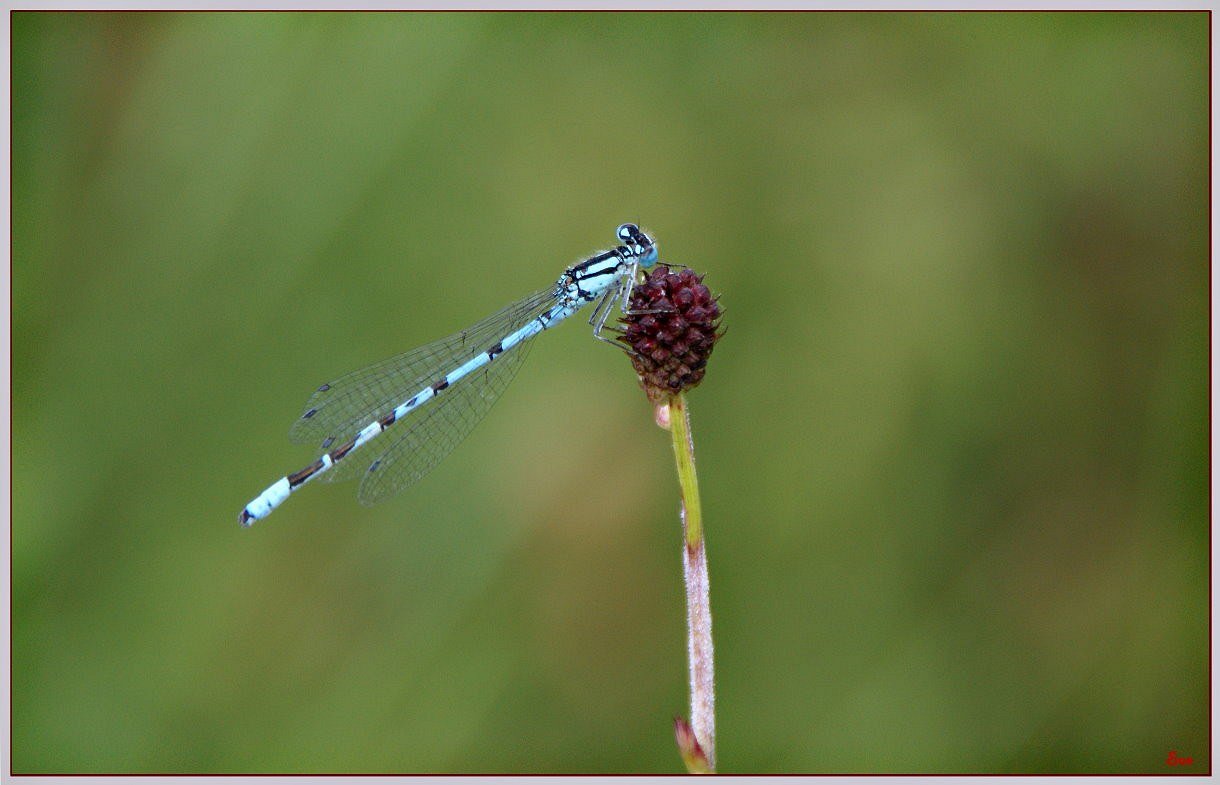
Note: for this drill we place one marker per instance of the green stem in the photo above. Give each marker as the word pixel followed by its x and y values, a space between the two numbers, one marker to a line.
pixel 684 454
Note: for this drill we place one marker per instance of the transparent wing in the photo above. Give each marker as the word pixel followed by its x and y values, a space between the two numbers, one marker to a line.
pixel 339 409
pixel 440 426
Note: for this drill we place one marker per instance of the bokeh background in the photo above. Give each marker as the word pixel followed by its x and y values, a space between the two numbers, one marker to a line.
pixel 954 448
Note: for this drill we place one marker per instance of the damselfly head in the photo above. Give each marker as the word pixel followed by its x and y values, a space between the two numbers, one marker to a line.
pixel 628 232
pixel 640 244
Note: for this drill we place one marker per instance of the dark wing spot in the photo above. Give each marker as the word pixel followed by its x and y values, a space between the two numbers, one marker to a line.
pixel 324 388
pixel 309 414
pixel 373 468
pixel 327 442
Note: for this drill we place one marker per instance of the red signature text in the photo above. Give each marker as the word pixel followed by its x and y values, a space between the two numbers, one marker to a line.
pixel 1174 760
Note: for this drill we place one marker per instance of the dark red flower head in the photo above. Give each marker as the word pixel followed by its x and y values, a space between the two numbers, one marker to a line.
pixel 670 330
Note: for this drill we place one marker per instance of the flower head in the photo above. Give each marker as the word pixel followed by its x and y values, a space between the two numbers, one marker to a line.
pixel 670 330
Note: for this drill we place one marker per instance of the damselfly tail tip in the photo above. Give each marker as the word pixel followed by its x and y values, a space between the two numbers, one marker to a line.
pixel 246 519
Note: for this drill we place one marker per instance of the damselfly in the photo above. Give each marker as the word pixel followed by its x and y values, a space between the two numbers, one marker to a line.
pixel 427 400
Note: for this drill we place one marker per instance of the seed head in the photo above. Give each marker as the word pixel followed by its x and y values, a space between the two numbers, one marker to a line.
pixel 670 330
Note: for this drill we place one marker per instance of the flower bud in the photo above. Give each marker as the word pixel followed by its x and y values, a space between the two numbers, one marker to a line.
pixel 670 330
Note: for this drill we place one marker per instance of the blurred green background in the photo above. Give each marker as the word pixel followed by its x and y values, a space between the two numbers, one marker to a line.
pixel 954 448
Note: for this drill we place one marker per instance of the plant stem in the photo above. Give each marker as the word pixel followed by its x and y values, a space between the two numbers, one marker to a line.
pixel 684 454
pixel 698 604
